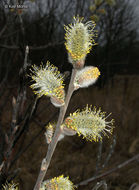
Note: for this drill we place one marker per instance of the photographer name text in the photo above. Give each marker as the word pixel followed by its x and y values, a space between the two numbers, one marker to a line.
pixel 18 6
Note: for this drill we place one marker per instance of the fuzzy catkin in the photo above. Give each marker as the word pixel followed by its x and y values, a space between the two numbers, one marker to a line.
pixel 57 183
pixel 86 77
pixel 90 122
pixel 79 39
pixel 10 186
pixel 49 82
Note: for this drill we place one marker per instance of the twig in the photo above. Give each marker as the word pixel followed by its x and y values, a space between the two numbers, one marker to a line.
pixel 112 146
pixel 1 166
pixel 3 30
pixel 85 182
pixel 11 137
pixel 99 184
pixel 26 119
pixel 3 81
pixel 34 138
pixel 52 145
pixel 14 47
pixel 134 186
pixel 111 150
pixel 21 91
pixel 99 156
pixel 9 46
pixel 2 145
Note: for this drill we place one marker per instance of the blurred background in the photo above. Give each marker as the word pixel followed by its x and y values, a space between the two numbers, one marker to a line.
pixel 39 24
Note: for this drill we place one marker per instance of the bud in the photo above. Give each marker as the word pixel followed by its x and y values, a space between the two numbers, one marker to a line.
pixel 57 183
pixel 86 77
pixel 50 129
pixel 49 133
pixel 90 123
pixel 79 40
pixel 57 102
pixel 68 131
pixel 48 82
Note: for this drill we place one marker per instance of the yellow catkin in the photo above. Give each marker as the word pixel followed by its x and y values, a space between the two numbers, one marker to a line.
pixel 48 81
pixel 57 183
pixel 86 77
pixel 79 39
pixel 10 186
pixel 90 122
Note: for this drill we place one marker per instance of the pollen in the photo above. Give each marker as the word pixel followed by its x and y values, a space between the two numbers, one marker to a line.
pixel 10 186
pixel 79 39
pixel 90 122
pixel 58 183
pixel 86 76
pixel 48 81
pixel 95 72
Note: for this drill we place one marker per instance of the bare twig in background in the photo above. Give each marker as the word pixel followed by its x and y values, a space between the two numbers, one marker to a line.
pixel 3 30
pixel 100 184
pixel 123 164
pixel 99 156
pixel 21 97
pixel 1 166
pixel 2 146
pixel 6 73
pixel 10 138
pixel 134 186
pixel 112 146
pixel 14 47
pixel 99 167
pixel 21 151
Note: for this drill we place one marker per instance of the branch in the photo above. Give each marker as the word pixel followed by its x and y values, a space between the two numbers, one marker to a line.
pixel 22 150
pixel 52 145
pixel 99 184
pixel 3 30
pixel 16 107
pixel 112 146
pixel 9 47
pixel 14 47
pixel 99 155
pixel 85 182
